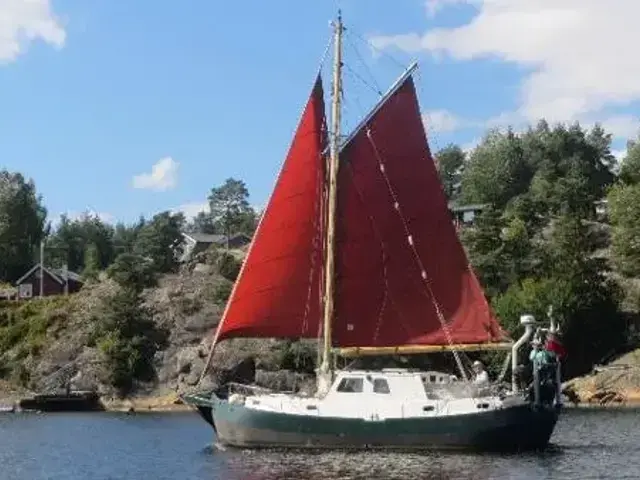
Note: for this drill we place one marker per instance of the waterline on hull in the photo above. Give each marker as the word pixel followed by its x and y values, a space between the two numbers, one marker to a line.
pixel 509 429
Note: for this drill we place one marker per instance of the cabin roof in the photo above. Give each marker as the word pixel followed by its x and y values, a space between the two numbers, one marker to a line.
pixel 467 208
pixel 56 273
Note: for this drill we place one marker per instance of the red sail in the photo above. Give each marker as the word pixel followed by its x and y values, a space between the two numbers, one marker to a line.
pixel 382 299
pixel 278 291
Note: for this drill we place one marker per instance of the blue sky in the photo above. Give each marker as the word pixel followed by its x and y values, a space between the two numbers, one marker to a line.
pixel 94 93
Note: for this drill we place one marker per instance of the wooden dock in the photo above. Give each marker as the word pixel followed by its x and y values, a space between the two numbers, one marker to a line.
pixel 79 401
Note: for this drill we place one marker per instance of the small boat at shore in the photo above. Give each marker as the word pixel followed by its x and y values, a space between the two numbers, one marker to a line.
pixel 357 248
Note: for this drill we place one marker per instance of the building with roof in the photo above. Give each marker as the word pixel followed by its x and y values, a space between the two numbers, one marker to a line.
pixel 56 281
pixel 195 243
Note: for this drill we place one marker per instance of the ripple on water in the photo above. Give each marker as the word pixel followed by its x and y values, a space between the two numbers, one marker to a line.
pixel 586 445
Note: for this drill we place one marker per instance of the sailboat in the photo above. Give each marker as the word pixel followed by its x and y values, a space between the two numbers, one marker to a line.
pixel 356 248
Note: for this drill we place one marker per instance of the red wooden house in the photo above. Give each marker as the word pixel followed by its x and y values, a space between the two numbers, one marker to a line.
pixel 55 282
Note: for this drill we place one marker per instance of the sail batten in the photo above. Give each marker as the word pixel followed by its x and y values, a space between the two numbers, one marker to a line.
pixel 350 352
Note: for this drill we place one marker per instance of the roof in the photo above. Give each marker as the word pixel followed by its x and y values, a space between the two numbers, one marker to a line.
pixel 204 237
pixel 466 208
pixel 57 274
pixel 212 238
pixel 70 275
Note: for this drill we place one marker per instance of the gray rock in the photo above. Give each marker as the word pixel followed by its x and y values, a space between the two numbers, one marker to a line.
pixel 185 358
pixel 202 268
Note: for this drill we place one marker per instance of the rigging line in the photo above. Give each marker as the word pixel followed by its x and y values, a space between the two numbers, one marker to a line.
pixel 365 82
pixel 377 49
pixel 364 64
pixel 351 114
pixel 431 132
pixel 423 271
pixel 216 334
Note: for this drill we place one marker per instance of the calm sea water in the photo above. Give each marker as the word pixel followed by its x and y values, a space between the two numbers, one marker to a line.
pixel 587 444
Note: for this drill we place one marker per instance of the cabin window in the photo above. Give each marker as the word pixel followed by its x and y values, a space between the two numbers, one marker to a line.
pixel 350 385
pixel 380 385
pixel 432 378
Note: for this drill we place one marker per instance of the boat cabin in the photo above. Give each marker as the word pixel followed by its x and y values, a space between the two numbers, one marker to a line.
pixel 400 383
pixel 388 393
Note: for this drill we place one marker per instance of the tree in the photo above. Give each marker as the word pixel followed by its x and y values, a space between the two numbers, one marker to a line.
pixel 500 249
pixel 630 168
pixel 69 243
pixel 230 209
pixel 573 168
pixel 125 236
pixel 128 338
pixel 133 272
pixel 624 211
pixel 496 170
pixel 92 265
pixel 160 240
pixel 22 224
pixel 202 223
pixel 449 162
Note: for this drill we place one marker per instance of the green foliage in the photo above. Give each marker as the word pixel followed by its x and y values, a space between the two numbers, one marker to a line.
pixel 125 236
pixel 73 238
pixel 630 169
pixel 203 223
pixel 22 224
pixel 228 266
pixel 133 272
pixel 229 213
pixel 500 249
pixel 533 247
pixel 496 171
pixel 222 293
pixel 450 161
pixel 24 327
pixel 298 356
pixel 92 265
pixel 624 211
pixel 573 168
pixel 129 339
pixel 160 240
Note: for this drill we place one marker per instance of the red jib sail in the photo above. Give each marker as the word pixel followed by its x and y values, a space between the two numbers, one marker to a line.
pixel 278 292
pixel 392 289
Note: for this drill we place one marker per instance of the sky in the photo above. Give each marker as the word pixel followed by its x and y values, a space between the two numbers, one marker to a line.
pixel 129 108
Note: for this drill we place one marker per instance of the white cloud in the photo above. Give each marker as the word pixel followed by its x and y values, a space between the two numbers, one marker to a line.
pixel 23 21
pixel 625 126
pixel 619 154
pixel 442 121
pixel 163 176
pixel 580 53
pixel 433 6
pixel 471 145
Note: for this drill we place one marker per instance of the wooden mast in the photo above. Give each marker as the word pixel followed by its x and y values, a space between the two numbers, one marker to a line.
pixel 326 371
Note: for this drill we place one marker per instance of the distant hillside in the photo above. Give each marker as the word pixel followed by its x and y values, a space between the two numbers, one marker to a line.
pixel 47 344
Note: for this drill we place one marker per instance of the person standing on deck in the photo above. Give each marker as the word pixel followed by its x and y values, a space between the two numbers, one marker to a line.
pixel 539 356
pixel 482 377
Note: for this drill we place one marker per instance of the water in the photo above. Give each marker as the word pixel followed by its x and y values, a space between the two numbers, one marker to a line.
pixel 587 444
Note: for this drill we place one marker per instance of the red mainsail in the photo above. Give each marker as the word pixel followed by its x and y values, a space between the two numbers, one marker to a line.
pixel 401 272
pixel 278 291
